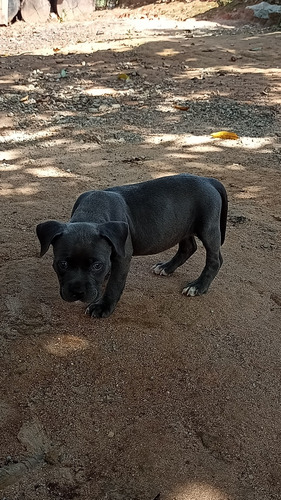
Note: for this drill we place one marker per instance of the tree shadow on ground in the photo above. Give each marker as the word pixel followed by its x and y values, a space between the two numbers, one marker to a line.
pixel 162 397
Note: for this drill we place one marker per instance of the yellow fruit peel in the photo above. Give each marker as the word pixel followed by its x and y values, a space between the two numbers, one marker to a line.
pixel 123 76
pixel 224 134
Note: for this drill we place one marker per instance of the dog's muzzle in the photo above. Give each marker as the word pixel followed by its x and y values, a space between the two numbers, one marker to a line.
pixel 77 291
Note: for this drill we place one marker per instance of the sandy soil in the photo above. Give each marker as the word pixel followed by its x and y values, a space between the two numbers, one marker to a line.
pixel 172 398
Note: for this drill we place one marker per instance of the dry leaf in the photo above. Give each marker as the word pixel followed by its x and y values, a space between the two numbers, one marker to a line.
pixel 224 134
pixel 56 49
pixel 123 76
pixel 182 108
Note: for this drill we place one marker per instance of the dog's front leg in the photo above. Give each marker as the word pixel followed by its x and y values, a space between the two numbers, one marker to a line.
pixel 114 288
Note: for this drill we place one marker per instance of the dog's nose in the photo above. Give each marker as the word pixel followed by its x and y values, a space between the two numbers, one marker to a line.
pixel 78 295
pixel 77 291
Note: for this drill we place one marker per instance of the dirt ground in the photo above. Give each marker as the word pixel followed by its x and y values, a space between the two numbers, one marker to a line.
pixel 171 398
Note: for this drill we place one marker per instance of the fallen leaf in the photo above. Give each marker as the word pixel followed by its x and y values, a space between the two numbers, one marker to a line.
pixel 224 134
pixel 123 76
pixel 134 159
pixel 56 49
pixel 182 108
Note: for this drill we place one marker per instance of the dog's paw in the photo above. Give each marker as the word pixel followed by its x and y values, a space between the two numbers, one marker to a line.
pixel 159 269
pixel 190 291
pixel 193 289
pixel 100 309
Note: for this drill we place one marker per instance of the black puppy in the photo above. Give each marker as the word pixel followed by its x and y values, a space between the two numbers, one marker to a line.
pixel 108 227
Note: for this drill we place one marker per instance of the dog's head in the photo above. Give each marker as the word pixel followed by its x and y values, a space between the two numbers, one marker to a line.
pixel 83 253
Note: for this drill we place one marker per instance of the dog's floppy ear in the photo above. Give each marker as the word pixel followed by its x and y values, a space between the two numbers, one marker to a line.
pixel 47 231
pixel 116 233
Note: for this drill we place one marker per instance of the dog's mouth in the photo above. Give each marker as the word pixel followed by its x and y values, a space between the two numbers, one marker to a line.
pixel 79 295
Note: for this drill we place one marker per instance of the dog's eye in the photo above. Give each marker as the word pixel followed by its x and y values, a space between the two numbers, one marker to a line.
pixel 97 266
pixel 63 265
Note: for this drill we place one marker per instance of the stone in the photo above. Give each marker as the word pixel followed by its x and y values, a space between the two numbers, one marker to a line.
pixel 263 10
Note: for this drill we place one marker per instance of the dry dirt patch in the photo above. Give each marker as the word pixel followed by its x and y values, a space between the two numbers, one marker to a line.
pixel 172 396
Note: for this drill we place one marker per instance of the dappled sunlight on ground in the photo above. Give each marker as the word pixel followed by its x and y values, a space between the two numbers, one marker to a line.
pixel 63 345
pixel 171 397
pixel 198 490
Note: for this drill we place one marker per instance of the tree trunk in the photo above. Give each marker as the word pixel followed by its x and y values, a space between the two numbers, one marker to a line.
pixel 77 10
pixel 35 11
pixel 8 10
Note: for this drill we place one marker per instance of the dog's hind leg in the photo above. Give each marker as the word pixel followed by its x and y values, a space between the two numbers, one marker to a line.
pixel 187 247
pixel 211 240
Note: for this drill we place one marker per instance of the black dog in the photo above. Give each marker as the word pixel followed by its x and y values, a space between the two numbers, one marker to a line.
pixel 108 227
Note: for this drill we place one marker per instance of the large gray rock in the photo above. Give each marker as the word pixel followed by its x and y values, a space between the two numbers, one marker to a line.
pixel 264 10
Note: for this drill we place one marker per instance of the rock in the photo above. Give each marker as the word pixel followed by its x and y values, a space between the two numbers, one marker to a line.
pixel 34 11
pixel 103 107
pixel 78 10
pixel 8 10
pixel 13 8
pixel 263 10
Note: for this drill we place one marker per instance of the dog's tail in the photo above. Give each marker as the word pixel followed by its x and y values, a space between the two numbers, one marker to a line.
pixel 222 191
